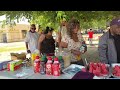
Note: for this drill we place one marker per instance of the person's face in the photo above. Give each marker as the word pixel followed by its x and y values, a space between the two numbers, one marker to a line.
pixel 50 33
pixel 32 28
pixel 76 29
pixel 118 30
pixel 63 23
pixel 115 29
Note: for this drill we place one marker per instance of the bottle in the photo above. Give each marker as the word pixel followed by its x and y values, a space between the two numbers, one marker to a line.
pixel 61 61
pixel 82 48
pixel 53 58
pixel 56 67
pixel 42 65
pixel 45 58
pixel 37 65
pixel 49 66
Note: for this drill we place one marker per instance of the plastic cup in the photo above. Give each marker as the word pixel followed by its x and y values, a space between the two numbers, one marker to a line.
pixel 67 60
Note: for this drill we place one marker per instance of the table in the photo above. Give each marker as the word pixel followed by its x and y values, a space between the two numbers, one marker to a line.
pixel 12 75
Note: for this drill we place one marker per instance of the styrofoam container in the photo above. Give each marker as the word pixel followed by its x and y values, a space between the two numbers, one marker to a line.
pixel 72 69
pixel 113 65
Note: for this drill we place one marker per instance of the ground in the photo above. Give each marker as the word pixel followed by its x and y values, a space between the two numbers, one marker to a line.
pixel 18 47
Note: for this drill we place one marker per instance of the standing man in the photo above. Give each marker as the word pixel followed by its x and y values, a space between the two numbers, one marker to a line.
pixel 90 33
pixel 109 43
pixel 31 39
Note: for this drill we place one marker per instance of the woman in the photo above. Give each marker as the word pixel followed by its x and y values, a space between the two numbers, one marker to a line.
pixel 61 31
pixel 73 41
pixel 46 43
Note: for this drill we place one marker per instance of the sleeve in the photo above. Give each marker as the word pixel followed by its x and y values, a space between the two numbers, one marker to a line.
pixel 59 29
pixel 27 38
pixel 102 48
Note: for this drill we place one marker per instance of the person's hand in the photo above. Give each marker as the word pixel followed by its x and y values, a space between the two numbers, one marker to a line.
pixel 76 52
pixel 28 51
pixel 63 45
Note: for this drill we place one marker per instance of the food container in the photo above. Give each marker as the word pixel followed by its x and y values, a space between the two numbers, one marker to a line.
pixel 72 69
pixel 113 65
pixel 101 76
pixel 16 56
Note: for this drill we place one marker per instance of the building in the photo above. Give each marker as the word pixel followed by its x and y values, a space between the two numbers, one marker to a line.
pixel 14 33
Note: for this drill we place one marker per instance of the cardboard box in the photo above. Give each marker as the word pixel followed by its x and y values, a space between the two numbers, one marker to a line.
pixel 17 56
pixel 3 65
pixel 14 65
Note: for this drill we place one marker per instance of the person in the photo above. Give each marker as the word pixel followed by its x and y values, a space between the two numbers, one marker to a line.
pixel 73 41
pixel 109 43
pixel 31 39
pixel 61 31
pixel 46 43
pixel 90 38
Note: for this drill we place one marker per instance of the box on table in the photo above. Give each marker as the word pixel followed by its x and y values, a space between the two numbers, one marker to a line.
pixel 3 65
pixel 17 56
pixel 14 65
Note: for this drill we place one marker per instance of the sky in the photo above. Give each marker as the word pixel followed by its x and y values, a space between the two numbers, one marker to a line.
pixel 21 22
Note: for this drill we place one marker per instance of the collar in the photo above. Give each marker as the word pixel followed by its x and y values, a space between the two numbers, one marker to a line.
pixel 31 31
pixel 110 35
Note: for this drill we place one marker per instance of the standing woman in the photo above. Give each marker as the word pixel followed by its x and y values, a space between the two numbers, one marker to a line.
pixel 46 43
pixel 73 41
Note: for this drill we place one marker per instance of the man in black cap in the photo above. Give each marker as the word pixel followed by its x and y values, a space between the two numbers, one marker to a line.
pixel 109 43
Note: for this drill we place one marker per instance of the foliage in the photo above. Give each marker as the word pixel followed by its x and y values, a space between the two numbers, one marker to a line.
pixel 88 19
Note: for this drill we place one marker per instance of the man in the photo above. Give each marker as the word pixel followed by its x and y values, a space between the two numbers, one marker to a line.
pixel 31 39
pixel 90 33
pixel 109 43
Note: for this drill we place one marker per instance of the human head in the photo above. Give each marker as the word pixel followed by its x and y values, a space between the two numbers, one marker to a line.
pixel 33 27
pixel 64 22
pixel 90 29
pixel 73 27
pixel 115 26
pixel 48 31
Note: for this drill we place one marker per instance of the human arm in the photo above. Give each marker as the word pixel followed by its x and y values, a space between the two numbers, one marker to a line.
pixel 102 49
pixel 28 51
pixel 59 35
pixel 27 40
pixel 40 40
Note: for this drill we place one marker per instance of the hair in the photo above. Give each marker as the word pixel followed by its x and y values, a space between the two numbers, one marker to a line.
pixel 48 29
pixel 33 25
pixel 71 26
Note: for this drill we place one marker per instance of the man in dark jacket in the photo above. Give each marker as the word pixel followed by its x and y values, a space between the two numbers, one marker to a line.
pixel 109 43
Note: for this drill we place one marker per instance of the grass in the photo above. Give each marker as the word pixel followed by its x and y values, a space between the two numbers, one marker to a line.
pixel 6 49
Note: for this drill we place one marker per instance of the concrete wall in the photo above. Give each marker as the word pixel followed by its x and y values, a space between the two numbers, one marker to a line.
pixel 13 33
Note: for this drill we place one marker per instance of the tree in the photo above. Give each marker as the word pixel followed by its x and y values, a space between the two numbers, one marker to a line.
pixel 95 19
